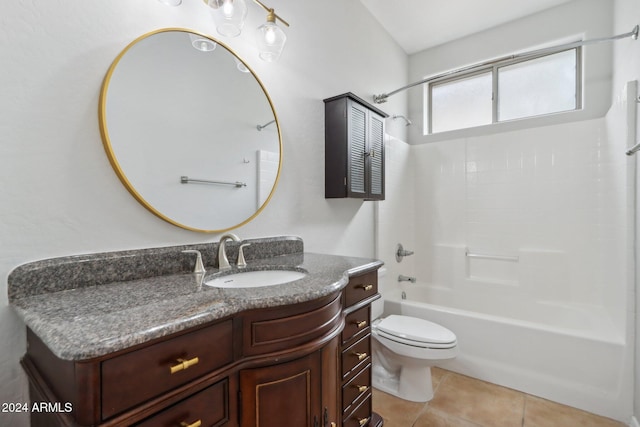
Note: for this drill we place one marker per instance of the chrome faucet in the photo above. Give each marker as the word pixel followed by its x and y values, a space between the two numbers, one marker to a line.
pixel 402 278
pixel 223 261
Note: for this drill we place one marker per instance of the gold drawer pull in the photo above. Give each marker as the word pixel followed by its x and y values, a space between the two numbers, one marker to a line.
pixel 360 356
pixel 184 364
pixel 363 421
pixel 196 424
pixel 361 388
pixel 365 287
pixel 361 324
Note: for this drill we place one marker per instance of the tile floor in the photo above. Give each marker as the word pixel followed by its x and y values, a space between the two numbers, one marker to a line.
pixel 461 401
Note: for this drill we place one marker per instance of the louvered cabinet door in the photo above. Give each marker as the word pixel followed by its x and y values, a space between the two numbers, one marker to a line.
pixel 357 176
pixel 375 157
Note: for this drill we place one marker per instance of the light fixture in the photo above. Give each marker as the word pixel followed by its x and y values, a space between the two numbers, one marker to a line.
pixel 270 37
pixel 240 66
pixel 202 43
pixel 229 16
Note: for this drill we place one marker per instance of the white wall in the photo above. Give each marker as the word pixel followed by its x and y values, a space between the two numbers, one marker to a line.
pixel 396 214
pixel 626 67
pixel 59 193
pixel 569 22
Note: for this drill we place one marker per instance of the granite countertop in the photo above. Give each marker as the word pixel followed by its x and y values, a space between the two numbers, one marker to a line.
pixel 92 321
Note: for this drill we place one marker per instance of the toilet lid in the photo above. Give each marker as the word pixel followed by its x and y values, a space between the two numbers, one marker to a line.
pixel 415 329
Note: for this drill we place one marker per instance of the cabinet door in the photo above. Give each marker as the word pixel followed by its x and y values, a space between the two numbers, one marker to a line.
pixel 357 150
pixel 288 394
pixel 375 156
pixel 331 403
pixel 366 153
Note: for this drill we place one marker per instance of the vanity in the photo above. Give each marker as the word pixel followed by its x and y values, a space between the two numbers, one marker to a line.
pixel 136 338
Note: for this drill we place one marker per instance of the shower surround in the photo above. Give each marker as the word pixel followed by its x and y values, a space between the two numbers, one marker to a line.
pixel 551 207
pixel 550 203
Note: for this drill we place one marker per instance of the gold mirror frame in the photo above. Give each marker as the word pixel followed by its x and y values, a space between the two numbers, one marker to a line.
pixel 107 143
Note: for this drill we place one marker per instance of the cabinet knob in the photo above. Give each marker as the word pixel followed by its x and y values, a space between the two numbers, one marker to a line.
pixel 363 421
pixel 361 388
pixel 361 324
pixel 195 424
pixel 360 356
pixel 184 364
pixel 366 287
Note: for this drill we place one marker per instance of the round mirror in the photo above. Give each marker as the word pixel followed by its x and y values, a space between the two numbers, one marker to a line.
pixel 190 130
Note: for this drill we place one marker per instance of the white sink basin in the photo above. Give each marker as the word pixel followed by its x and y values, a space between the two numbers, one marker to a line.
pixel 253 279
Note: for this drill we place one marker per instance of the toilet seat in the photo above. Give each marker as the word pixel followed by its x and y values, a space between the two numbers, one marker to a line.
pixel 415 332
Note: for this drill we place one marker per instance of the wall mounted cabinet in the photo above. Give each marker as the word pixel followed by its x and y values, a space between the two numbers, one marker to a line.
pixel 354 148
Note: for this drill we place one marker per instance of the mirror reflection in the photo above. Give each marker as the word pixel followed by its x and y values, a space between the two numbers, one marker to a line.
pixel 190 131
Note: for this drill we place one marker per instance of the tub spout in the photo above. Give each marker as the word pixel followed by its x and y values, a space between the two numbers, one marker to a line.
pixel 402 278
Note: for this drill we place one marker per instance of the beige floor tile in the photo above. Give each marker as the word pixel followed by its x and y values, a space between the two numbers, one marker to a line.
pixel 479 402
pixel 433 418
pixel 544 413
pixel 437 374
pixel 394 411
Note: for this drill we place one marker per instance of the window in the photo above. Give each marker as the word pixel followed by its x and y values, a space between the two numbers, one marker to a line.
pixel 462 103
pixel 509 90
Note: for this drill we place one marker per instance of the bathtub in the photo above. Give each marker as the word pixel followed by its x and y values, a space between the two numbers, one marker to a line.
pixel 565 353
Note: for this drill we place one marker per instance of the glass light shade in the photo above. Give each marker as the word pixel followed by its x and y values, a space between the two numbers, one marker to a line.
pixel 240 66
pixel 229 16
pixel 171 2
pixel 271 40
pixel 202 43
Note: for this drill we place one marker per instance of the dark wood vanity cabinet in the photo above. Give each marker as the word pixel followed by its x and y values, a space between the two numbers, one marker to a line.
pixel 355 352
pixel 285 394
pixel 354 148
pixel 302 365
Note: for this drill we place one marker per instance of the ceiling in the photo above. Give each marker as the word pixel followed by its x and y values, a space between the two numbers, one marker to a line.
pixel 419 24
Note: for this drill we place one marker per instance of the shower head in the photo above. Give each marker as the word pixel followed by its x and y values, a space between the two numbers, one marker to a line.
pixel 397 116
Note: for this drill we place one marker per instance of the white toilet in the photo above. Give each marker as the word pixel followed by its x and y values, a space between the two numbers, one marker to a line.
pixel 404 349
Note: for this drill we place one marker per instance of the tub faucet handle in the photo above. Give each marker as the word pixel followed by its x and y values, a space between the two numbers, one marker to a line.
pixel 402 278
pixel 401 252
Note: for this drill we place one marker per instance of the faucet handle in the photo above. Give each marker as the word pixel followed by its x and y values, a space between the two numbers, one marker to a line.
pixel 241 261
pixel 199 268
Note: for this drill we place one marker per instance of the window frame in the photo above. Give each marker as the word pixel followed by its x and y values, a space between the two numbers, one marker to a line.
pixel 495 96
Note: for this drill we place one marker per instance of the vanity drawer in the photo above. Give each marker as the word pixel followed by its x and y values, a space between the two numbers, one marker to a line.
pixel 135 377
pixel 356 323
pixel 278 329
pixel 210 407
pixel 356 388
pixel 360 287
pixel 361 416
pixel 356 356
